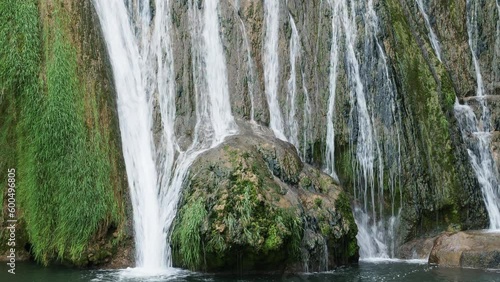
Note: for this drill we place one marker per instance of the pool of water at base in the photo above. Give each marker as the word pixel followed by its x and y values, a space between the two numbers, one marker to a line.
pixel 363 271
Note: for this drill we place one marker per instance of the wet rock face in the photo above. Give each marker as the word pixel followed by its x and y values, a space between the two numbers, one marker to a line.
pixel 438 185
pixel 250 204
pixel 474 249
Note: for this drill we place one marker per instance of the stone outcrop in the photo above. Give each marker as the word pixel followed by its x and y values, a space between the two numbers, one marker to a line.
pixel 416 249
pixel 470 249
pixel 250 204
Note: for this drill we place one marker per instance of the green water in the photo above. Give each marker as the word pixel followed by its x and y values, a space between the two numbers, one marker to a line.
pixel 381 271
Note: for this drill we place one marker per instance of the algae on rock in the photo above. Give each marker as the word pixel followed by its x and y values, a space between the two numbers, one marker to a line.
pixel 244 208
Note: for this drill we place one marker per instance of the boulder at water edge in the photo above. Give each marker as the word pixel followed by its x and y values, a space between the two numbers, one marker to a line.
pixel 471 249
pixel 250 204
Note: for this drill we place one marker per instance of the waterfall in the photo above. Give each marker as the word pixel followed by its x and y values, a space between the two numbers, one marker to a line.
pixel 476 131
pixel 367 79
pixel 212 64
pixel 478 143
pixel 334 58
pixel 473 34
pixel 370 240
pixel 291 122
pixel 432 36
pixel 250 71
pixel 307 121
pixel 135 114
pixel 271 66
pixel 139 45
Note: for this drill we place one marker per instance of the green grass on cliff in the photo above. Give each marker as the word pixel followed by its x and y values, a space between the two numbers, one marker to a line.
pixel 188 234
pixel 19 69
pixel 65 191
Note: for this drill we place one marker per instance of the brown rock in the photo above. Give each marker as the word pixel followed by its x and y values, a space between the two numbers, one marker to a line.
pixel 472 249
pixel 417 249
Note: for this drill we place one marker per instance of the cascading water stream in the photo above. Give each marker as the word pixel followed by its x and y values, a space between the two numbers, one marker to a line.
pixel 476 131
pixel 370 240
pixel 367 79
pixel 478 143
pixel 250 71
pixel 307 121
pixel 135 114
pixel 387 141
pixel 291 122
pixel 432 36
pixel 143 68
pixel 334 58
pixel 271 66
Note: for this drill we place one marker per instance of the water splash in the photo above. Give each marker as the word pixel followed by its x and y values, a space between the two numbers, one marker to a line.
pixel 271 66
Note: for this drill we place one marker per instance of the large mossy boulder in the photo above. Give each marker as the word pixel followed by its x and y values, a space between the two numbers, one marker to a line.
pixel 250 204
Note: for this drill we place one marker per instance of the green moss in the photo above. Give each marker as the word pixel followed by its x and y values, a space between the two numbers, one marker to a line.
pixel 318 202
pixel 343 206
pixel 430 102
pixel 435 184
pixel 273 240
pixel 19 66
pixel 325 229
pixel 238 220
pixel 305 183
